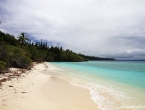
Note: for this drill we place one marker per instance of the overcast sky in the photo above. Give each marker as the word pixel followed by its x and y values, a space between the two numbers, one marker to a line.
pixel 104 28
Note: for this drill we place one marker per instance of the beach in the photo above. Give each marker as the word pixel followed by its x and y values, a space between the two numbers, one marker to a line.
pixel 39 89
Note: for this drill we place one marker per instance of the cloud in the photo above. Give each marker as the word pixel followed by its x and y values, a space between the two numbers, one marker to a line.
pixel 106 28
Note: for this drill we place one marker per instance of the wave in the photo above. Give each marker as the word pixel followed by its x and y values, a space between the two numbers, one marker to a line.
pixel 106 97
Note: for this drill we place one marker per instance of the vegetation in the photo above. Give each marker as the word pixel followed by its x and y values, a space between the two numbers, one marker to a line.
pixel 95 58
pixel 22 39
pixel 2 66
pixel 19 53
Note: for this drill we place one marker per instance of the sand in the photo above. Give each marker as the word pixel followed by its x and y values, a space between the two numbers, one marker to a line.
pixel 36 90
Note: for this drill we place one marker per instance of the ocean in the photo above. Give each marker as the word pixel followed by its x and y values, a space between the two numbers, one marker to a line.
pixel 113 85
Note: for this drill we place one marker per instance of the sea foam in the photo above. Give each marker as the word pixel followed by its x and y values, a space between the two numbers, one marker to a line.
pixel 106 97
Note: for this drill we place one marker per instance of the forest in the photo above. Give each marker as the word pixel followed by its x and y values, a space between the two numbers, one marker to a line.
pixel 20 53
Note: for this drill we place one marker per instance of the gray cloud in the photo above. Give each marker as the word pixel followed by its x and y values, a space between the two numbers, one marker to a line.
pixel 105 28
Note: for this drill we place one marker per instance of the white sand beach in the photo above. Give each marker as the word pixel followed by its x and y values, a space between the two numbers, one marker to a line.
pixel 35 90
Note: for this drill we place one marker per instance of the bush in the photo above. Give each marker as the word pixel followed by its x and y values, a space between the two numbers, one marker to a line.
pixel 19 58
pixel 2 66
pixel 4 54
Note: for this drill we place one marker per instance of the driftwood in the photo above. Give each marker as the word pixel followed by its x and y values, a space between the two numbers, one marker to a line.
pixel 2 80
pixel 11 74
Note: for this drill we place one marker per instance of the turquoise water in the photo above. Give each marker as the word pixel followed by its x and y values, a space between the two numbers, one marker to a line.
pixel 112 84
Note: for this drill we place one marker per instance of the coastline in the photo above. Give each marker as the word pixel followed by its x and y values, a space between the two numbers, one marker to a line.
pixel 67 96
pixel 36 90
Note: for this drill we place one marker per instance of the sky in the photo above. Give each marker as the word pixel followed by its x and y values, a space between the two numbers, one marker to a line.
pixel 103 28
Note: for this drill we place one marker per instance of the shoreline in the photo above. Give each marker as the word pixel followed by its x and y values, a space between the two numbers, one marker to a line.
pixel 67 96
pixel 36 90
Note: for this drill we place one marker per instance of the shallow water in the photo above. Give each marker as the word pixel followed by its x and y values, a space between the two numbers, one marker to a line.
pixel 113 85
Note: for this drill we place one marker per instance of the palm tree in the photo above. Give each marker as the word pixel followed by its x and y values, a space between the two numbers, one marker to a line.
pixel 22 39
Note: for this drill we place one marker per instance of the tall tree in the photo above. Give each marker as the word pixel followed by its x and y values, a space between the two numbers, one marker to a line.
pixel 23 39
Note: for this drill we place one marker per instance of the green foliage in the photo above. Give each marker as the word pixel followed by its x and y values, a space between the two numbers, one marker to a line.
pixel 2 66
pixel 18 57
pixel 41 56
pixel 61 55
pixel 22 39
pixel 95 58
pixel 34 53
pixel 18 53
pixel 7 38
pixel 4 54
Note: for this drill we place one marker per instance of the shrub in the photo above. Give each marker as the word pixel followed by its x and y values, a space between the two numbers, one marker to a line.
pixel 2 66
pixel 18 57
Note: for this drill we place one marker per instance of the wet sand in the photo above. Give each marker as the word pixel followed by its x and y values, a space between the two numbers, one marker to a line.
pixel 67 96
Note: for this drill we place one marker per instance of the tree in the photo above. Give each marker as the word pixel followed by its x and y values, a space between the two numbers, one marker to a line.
pixel 8 39
pixel 22 39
